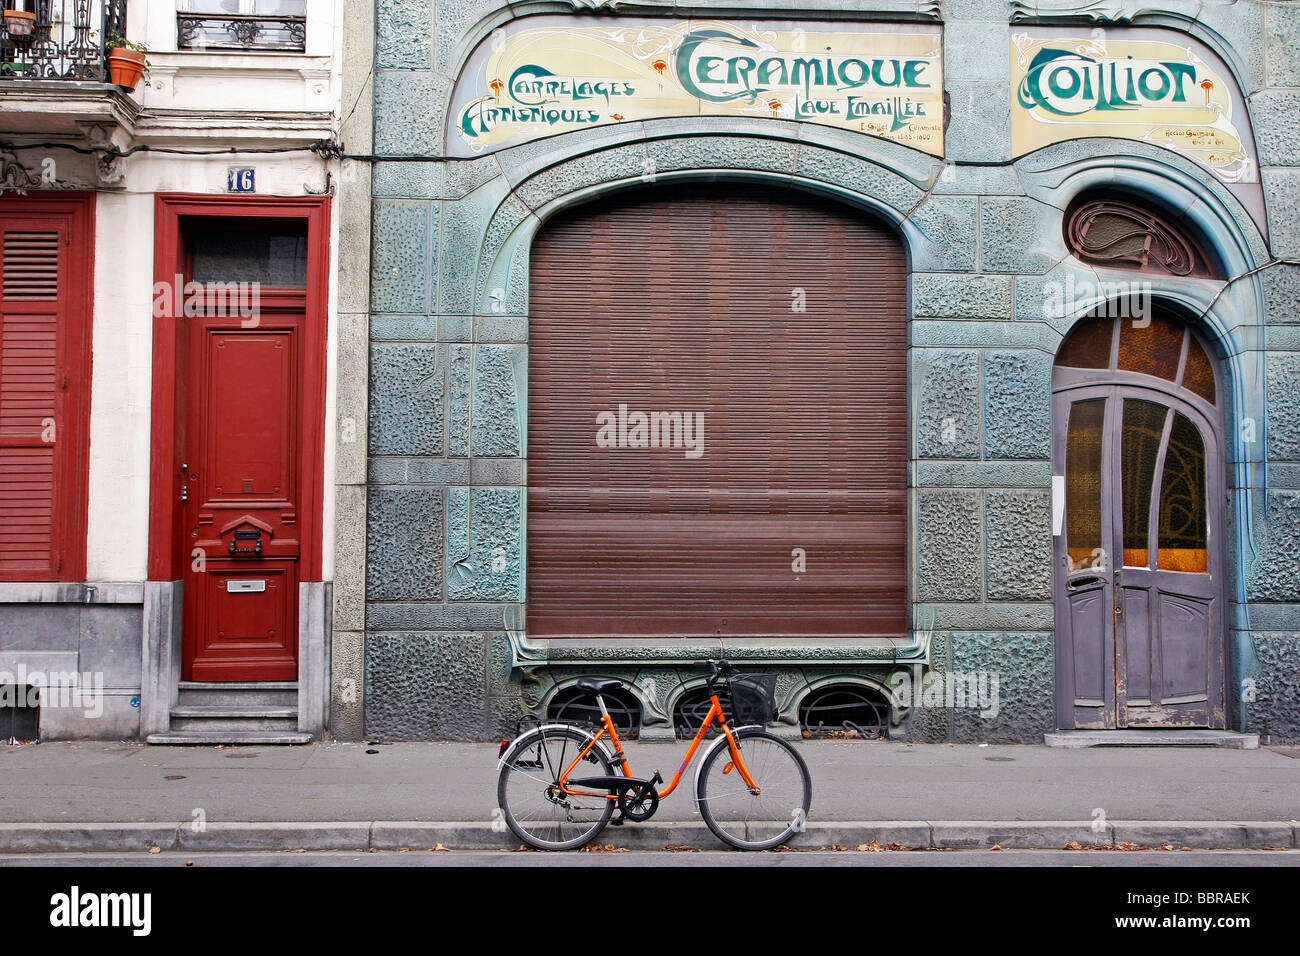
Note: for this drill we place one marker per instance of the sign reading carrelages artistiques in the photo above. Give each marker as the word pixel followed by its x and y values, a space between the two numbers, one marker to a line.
pixel 559 74
pixel 1170 93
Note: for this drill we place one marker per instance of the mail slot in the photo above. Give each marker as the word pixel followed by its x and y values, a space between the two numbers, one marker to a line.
pixel 246 534
pixel 245 587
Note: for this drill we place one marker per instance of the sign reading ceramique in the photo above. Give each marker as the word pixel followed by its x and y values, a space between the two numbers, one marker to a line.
pixel 549 75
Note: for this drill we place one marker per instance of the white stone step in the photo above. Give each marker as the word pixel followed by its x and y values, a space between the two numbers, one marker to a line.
pixel 1227 739
pixel 238 693
pixel 211 739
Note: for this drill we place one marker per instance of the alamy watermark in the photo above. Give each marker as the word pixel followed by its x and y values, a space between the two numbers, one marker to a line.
pixel 224 299
pixel 635 429
pixel 1120 299
pixel 62 689
pixel 976 690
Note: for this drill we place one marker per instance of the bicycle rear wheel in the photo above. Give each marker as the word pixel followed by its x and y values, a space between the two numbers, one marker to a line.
pixel 748 820
pixel 528 792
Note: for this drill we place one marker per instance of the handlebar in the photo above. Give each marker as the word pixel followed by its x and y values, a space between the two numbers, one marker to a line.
pixel 720 668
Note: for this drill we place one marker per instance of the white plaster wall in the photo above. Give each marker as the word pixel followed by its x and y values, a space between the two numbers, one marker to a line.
pixel 231 80
pixel 332 339
pixel 117 535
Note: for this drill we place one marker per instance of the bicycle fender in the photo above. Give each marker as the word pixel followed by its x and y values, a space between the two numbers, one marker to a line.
pixel 721 741
pixel 522 741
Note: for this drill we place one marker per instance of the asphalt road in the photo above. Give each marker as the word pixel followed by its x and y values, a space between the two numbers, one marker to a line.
pixel 631 858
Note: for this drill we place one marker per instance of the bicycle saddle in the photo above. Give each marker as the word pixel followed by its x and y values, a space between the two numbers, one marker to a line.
pixel 599 686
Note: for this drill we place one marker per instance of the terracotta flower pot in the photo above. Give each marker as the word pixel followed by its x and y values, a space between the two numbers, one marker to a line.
pixel 125 66
pixel 19 24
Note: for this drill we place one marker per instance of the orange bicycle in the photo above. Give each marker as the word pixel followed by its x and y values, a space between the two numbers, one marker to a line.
pixel 558 787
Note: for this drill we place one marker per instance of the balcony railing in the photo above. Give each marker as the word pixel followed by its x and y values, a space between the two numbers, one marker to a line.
pixel 67 40
pixel 240 31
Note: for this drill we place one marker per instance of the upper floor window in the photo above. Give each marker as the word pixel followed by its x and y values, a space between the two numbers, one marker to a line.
pixel 242 25
pixel 1117 232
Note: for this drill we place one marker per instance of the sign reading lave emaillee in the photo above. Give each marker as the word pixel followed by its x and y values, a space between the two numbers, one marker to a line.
pixel 1156 86
pixel 546 75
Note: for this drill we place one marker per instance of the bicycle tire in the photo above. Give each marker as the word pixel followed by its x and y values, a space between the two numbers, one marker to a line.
pixel 749 821
pixel 537 819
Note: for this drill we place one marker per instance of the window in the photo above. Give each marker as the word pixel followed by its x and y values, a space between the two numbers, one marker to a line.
pixel 270 252
pixel 1118 233
pixel 242 25
pixel 43 389
pixel 1163 348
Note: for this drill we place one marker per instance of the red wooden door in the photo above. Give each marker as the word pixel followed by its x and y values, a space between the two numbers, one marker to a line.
pixel 243 397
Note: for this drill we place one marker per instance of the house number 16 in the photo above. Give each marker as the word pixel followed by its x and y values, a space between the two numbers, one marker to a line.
pixel 240 180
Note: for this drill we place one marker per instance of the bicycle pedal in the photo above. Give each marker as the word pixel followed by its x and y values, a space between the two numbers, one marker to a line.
pixel 617 821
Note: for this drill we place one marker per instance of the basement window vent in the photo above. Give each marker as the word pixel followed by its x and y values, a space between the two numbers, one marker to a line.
pixel 20 713
pixel 575 705
pixel 692 708
pixel 846 712
pixel 31 265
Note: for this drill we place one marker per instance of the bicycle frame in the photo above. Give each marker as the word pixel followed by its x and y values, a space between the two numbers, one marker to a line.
pixel 715 713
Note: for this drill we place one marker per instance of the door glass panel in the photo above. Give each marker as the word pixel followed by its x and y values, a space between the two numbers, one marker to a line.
pixel 266 251
pixel 1088 345
pixel 1198 377
pixel 1153 349
pixel 1183 525
pixel 1144 424
pixel 1083 484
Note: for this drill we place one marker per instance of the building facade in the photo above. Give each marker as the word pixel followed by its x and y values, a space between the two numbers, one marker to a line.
pixel 169 271
pixel 939 357
pixel 976 318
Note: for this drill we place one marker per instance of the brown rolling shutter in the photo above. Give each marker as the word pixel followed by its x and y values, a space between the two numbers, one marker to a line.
pixel 30 385
pixel 686 299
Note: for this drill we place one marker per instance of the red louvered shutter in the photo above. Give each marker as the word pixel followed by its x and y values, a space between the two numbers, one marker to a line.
pixel 782 319
pixel 42 293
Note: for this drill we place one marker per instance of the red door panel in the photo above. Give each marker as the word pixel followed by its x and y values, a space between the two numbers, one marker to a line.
pixel 242 396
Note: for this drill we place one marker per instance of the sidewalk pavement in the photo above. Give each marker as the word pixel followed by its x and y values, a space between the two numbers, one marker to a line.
pixel 97 796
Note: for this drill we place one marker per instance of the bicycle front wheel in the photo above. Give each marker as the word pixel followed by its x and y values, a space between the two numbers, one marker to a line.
pixel 739 816
pixel 529 796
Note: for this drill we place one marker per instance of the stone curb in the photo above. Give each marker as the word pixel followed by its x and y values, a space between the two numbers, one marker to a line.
pixel 359 836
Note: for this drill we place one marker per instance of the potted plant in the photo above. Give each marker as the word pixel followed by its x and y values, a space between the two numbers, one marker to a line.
pixel 127 62
pixel 19 25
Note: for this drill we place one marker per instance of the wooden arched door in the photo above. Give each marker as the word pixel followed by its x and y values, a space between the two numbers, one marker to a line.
pixel 1140 599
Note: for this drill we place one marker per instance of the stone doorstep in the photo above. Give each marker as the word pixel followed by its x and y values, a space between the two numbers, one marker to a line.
pixel 362 836
pixel 1078 739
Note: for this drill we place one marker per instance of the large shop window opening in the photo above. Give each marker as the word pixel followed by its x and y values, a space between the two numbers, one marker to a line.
pixel 717 419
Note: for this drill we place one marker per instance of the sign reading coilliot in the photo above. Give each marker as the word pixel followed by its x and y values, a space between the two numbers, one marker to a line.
pixel 561 74
pixel 1173 94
